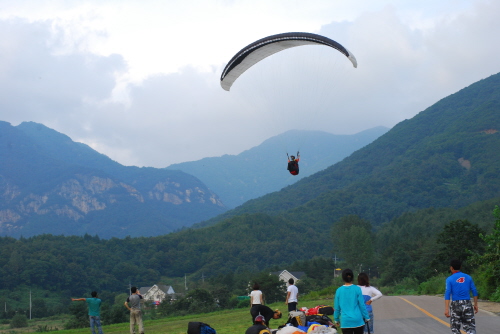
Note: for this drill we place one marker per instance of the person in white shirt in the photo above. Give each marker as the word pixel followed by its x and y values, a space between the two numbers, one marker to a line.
pixel 292 295
pixel 256 296
pixel 370 294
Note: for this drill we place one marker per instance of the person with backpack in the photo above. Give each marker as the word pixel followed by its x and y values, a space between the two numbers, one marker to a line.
pixel 293 164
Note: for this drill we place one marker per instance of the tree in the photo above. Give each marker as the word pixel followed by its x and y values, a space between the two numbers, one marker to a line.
pixel 39 308
pixel 353 241
pixel 271 286
pixel 79 318
pixel 489 261
pixel 458 239
pixel 19 321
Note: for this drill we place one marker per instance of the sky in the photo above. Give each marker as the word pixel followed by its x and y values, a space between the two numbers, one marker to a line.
pixel 139 81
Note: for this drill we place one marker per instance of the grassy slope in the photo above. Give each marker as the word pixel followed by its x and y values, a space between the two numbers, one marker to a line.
pixel 224 322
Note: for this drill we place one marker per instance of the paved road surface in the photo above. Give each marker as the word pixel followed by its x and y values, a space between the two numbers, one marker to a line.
pixel 422 314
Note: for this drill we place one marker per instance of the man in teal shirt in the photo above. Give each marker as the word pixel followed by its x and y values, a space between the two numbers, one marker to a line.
pixel 94 304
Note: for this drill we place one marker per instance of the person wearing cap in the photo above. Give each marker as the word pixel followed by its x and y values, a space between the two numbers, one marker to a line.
pixel 259 326
pixel 350 311
pixel 266 312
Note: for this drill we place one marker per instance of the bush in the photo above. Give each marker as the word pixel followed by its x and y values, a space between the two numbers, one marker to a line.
pixel 19 321
pixel 407 286
pixel 433 286
pixel 495 296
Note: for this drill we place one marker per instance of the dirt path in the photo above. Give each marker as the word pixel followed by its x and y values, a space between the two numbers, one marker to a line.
pixel 489 306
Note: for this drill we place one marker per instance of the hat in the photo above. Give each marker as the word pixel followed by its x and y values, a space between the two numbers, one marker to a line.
pixel 259 318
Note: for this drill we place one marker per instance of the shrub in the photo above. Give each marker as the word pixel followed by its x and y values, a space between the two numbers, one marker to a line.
pixel 19 321
pixel 433 286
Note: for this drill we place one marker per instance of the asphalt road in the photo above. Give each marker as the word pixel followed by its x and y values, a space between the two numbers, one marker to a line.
pixel 422 314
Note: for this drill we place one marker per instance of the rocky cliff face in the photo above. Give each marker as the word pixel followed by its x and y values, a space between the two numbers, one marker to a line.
pixel 41 193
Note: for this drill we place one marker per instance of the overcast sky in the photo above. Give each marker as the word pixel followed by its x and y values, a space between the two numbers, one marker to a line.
pixel 140 80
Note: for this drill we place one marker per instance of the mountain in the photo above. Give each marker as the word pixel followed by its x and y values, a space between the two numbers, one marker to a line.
pixel 50 184
pixel 262 169
pixel 446 156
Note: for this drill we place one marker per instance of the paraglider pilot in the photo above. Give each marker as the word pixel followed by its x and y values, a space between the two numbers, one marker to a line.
pixel 293 164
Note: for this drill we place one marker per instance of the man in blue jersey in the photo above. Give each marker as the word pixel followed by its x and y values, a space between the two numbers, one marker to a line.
pixel 459 286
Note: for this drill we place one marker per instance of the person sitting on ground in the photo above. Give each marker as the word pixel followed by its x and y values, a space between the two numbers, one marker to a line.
pixel 259 326
pixel 266 312
pixel 293 164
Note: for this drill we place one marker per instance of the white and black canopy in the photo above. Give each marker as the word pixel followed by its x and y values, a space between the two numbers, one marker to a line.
pixel 265 47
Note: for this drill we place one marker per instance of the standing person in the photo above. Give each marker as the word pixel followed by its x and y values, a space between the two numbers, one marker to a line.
pixel 266 312
pixel 94 305
pixel 292 295
pixel 135 310
pixel 350 310
pixel 256 296
pixel 458 286
pixel 370 294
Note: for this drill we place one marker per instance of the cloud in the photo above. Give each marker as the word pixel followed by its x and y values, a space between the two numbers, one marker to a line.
pixel 74 72
pixel 44 87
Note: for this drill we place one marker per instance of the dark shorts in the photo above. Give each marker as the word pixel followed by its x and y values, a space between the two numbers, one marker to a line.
pixel 355 330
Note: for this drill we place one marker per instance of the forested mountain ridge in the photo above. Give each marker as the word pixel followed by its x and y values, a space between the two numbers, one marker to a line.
pixel 50 184
pixel 446 156
pixel 262 169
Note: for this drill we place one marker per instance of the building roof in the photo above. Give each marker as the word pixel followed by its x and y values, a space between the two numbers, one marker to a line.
pixel 297 274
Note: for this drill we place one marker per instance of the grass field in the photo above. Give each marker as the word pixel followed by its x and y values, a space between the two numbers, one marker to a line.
pixel 225 322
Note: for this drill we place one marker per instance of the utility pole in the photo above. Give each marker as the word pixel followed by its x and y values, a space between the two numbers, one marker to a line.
pixel 30 304
pixel 185 282
pixel 203 278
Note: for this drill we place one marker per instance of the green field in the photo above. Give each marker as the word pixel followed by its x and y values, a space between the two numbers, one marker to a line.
pixel 224 322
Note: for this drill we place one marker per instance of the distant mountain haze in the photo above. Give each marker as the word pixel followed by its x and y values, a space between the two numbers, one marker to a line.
pixel 51 184
pixel 262 169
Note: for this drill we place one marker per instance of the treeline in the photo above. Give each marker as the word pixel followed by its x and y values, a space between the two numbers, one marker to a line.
pixel 417 247
pixel 231 253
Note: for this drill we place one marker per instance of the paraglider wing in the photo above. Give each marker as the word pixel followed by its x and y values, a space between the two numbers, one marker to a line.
pixel 265 47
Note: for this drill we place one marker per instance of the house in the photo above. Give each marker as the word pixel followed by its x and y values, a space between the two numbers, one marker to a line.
pixel 285 275
pixel 157 293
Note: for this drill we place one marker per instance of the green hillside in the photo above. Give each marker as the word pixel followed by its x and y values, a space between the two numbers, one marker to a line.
pixel 446 156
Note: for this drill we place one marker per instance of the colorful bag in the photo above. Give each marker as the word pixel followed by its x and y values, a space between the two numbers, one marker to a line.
pixel 200 328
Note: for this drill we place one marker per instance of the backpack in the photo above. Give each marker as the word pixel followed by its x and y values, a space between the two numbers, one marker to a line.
pixel 297 318
pixel 293 166
pixel 321 319
pixel 200 328
pixel 321 309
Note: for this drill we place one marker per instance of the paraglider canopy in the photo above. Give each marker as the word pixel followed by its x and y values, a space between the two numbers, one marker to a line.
pixel 265 47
